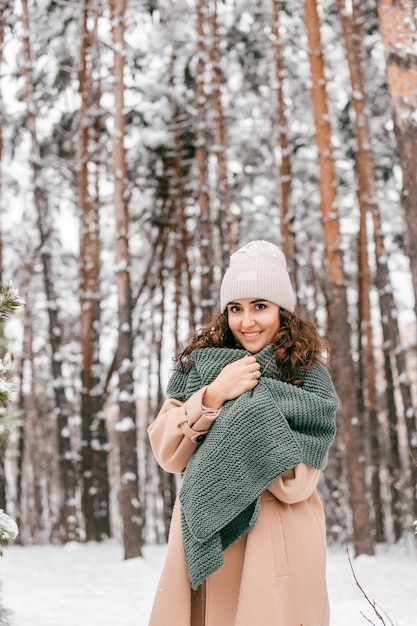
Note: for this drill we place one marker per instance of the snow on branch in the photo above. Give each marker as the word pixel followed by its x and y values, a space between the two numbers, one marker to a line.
pixel 9 302
pixel 8 529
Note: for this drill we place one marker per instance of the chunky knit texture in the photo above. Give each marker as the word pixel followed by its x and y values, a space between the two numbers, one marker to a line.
pixel 255 438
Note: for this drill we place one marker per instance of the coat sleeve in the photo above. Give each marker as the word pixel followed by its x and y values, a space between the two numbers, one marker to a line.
pixel 178 430
pixel 297 485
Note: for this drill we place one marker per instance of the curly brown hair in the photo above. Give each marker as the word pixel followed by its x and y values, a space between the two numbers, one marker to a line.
pixel 297 344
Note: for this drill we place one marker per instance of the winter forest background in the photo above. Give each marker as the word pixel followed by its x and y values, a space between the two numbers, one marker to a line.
pixel 140 144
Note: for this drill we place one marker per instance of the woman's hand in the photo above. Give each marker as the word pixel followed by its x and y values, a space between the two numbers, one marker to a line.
pixel 233 380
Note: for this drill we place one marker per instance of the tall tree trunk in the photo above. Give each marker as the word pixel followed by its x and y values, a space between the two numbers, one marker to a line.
pixel 227 221
pixel 182 243
pixel 37 486
pixel 95 492
pixel 206 243
pixel 339 330
pixel 67 527
pixel 395 358
pixel 398 29
pixel 129 488
pixel 287 217
pixel 167 485
pixel 392 343
pixel 183 246
pixel 397 25
pixel 366 193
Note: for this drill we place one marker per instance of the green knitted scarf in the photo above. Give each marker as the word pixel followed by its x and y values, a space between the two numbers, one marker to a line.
pixel 255 438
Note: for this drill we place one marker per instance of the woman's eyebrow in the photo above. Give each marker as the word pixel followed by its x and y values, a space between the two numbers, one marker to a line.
pixel 251 302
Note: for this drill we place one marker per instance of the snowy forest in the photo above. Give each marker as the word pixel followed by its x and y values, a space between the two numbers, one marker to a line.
pixel 140 144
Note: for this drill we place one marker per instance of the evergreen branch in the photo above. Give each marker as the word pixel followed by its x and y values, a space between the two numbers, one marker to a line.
pixel 9 302
pixel 10 421
pixel 8 529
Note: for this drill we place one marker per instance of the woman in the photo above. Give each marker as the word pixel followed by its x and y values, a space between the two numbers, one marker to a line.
pixel 249 422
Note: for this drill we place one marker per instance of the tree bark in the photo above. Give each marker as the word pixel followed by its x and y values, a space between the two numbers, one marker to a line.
pixel 67 527
pixel 132 514
pixel 398 30
pixel 338 327
pixel 206 243
pixel 287 216
pixel 178 196
pixel 392 343
pixel 229 224
pixel 366 193
pixel 95 491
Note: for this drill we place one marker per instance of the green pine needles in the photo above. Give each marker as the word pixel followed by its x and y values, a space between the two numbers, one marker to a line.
pixel 9 303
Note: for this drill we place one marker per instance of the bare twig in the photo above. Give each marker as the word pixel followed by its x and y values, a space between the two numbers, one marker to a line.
pixel 371 602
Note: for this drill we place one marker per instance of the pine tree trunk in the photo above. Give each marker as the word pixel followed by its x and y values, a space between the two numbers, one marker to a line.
pixel 397 25
pixel 67 527
pixel 36 482
pixel 394 360
pixel 178 236
pixel 366 198
pixel 392 346
pixel 129 488
pixel 182 247
pixel 95 492
pixel 392 343
pixel 228 225
pixel 287 218
pixel 206 244
pixel 167 485
pixel 398 29
pixel 26 355
pixel 339 330
pixel 368 387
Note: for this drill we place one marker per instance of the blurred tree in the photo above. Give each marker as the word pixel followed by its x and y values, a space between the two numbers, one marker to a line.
pixel 286 211
pixel 397 24
pixel 202 104
pixel 67 526
pixel 129 485
pixel 337 309
pixel 94 446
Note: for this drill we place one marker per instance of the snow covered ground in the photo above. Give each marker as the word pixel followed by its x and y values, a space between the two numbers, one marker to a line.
pixel 91 585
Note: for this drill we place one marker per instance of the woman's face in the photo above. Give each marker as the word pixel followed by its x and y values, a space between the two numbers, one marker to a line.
pixel 253 322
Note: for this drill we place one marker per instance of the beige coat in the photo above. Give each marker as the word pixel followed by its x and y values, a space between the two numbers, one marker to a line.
pixel 274 575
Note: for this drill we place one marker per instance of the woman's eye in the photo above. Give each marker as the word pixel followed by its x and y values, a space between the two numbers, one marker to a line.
pixel 260 306
pixel 234 309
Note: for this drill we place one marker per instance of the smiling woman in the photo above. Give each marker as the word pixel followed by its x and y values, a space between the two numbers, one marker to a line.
pixel 249 421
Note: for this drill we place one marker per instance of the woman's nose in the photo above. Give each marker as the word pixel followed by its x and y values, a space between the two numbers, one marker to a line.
pixel 247 319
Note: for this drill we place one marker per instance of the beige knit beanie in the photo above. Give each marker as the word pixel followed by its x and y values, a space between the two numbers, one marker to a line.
pixel 258 270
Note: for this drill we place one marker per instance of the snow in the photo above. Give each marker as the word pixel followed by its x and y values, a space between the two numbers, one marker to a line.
pixel 8 528
pixel 91 585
